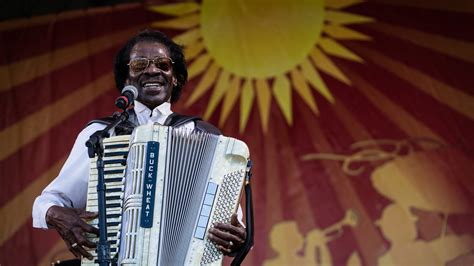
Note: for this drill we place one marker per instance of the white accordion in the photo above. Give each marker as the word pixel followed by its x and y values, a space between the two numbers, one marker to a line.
pixel 177 184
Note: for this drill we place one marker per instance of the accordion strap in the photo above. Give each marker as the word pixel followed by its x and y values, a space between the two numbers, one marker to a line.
pixel 173 120
pixel 249 241
pixel 124 128
pixel 177 120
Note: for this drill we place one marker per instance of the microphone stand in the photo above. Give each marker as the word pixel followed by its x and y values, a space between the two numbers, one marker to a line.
pixel 95 147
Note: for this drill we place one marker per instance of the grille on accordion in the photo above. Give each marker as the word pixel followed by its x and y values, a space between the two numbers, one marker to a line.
pixel 177 184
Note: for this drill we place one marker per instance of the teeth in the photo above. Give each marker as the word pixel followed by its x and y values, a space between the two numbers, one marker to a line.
pixel 151 84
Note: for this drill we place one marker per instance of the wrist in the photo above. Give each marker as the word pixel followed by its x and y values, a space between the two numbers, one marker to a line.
pixel 50 215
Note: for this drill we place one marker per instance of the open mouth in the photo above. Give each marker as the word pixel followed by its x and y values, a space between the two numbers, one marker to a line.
pixel 151 84
pixel 154 85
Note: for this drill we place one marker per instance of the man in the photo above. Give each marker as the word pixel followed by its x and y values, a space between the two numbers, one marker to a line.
pixel 155 65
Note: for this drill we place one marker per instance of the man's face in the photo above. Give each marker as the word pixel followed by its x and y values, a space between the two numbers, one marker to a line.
pixel 155 82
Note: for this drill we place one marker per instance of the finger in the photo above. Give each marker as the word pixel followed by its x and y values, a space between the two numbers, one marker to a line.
pixel 69 239
pixel 82 252
pixel 89 228
pixel 234 220
pixel 223 245
pixel 237 231
pixel 217 240
pixel 86 215
pixel 224 250
pixel 81 239
pixel 225 236
pixel 76 253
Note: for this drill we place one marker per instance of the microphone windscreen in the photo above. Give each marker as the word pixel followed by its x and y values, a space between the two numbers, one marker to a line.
pixel 131 89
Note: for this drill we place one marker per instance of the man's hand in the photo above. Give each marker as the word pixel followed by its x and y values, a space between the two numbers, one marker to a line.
pixel 228 237
pixel 70 224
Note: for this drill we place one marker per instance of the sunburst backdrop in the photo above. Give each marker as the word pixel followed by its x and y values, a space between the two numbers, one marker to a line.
pixel 358 114
pixel 243 46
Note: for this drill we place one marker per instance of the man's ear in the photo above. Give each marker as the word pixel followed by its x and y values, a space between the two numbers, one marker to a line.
pixel 175 81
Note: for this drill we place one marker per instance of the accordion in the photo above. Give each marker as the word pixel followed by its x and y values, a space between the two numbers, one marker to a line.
pixel 175 185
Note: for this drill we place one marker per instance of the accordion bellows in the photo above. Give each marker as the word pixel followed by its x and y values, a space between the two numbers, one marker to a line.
pixel 177 184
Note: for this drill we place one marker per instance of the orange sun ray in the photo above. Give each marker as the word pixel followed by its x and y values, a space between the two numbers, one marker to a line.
pixel 198 66
pixel 188 37
pixel 26 70
pixel 194 49
pixel 177 9
pixel 264 96
pixel 456 48
pixel 334 48
pixel 246 101
pixel 456 6
pixel 325 64
pixel 442 92
pixel 230 99
pixel 303 90
pixel 342 33
pixel 402 118
pixel 20 134
pixel 282 93
pixel 205 83
pixel 313 77
pixel 340 17
pixel 223 84
pixel 17 211
pixel 181 23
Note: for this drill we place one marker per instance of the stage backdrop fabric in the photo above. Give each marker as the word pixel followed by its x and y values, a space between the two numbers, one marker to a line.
pixel 359 116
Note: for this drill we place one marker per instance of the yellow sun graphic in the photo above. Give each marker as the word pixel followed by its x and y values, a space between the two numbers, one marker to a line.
pixel 256 50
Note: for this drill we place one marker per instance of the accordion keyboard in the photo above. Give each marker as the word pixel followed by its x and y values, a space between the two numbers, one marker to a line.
pixel 115 152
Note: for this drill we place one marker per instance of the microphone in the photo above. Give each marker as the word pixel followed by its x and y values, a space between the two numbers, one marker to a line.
pixel 129 93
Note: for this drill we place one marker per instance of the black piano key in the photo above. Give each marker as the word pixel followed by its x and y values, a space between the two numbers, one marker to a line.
pixel 112 197
pixel 116 179
pixel 111 172
pixel 117 215
pixel 116 146
pixel 111 235
pixel 112 205
pixel 112 190
pixel 115 153
pixel 113 223
pixel 115 161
